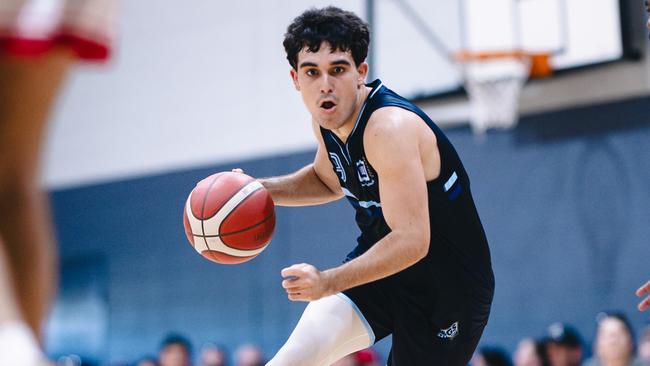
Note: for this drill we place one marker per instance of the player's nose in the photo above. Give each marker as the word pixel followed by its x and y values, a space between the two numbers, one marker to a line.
pixel 326 86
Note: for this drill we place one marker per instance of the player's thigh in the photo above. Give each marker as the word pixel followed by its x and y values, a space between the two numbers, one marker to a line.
pixel 418 341
pixel 329 329
pixel 28 86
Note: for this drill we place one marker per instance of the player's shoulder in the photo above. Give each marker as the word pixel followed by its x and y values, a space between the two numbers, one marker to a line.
pixel 390 123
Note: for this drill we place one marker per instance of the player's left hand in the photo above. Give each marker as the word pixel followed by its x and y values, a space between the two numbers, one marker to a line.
pixel 304 282
pixel 644 290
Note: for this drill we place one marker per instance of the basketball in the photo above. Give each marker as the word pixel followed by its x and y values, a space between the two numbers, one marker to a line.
pixel 229 218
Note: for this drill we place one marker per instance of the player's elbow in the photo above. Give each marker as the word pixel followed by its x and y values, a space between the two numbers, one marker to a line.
pixel 419 244
pixel 422 247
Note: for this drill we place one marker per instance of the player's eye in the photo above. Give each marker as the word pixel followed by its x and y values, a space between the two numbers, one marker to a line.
pixel 337 70
pixel 311 72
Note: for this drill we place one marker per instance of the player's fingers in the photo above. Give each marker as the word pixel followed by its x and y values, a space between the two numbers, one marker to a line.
pixel 295 270
pixel 643 289
pixel 645 304
pixel 287 284
pixel 297 297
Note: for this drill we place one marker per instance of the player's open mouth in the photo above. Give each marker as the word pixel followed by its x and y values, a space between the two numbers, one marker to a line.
pixel 328 106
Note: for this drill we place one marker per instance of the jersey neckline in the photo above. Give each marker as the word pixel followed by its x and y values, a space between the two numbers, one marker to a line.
pixel 375 86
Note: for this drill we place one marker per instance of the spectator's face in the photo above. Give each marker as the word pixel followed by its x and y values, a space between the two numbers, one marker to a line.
pixel 249 356
pixel 212 357
pixel 146 363
pixel 478 360
pixel 557 354
pixel 613 342
pixel 526 354
pixel 644 349
pixel 174 355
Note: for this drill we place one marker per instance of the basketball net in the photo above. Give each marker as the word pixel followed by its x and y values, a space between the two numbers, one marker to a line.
pixel 493 81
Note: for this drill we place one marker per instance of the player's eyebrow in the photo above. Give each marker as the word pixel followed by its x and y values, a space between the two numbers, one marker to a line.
pixel 333 63
pixel 307 64
pixel 340 62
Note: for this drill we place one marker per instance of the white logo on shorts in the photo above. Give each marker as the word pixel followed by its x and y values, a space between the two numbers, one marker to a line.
pixel 449 333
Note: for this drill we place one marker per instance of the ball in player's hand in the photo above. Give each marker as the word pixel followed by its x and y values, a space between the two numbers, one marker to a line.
pixel 229 217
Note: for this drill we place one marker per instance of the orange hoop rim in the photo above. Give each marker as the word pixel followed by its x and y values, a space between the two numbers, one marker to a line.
pixel 540 66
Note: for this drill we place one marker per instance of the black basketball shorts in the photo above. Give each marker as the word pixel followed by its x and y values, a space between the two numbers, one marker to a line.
pixel 430 324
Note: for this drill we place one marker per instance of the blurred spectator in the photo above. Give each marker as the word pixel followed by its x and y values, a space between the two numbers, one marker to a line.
pixel 644 345
pixel 147 361
pixel 614 344
pixel 213 355
pixel 530 352
pixel 563 345
pixel 175 350
pixel 249 355
pixel 366 357
pixel 491 356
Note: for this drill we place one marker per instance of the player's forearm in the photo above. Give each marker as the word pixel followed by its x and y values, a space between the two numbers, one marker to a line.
pixel 302 188
pixel 395 252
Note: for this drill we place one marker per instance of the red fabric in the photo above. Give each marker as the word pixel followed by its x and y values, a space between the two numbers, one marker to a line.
pixel 84 48
pixel 366 355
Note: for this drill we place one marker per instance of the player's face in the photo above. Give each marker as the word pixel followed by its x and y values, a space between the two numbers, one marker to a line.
pixel 332 87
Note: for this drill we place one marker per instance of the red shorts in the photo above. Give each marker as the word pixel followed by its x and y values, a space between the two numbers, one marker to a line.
pixel 32 27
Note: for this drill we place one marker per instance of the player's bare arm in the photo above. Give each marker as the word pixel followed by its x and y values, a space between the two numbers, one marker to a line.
pixel 393 147
pixel 314 184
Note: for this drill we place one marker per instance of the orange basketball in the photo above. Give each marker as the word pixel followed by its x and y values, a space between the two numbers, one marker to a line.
pixel 229 218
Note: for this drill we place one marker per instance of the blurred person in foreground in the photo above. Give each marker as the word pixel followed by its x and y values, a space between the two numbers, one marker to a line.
pixel 530 352
pixel 491 356
pixel 175 350
pixel 213 355
pixel 563 345
pixel 249 355
pixel 39 42
pixel 614 344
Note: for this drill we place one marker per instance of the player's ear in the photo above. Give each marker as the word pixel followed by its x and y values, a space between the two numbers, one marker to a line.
pixel 362 69
pixel 294 77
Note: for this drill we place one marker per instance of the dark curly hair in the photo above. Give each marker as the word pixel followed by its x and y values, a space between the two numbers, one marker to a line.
pixel 343 30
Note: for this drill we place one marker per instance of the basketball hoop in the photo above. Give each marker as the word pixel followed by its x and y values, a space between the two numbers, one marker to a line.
pixel 494 81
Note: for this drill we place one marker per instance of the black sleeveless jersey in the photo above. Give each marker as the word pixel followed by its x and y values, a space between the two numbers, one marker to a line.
pixel 458 241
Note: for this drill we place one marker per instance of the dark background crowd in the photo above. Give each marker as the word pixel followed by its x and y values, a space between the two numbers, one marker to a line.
pixel 561 344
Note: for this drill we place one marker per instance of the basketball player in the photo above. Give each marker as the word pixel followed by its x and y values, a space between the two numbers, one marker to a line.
pixel 38 41
pixel 421 270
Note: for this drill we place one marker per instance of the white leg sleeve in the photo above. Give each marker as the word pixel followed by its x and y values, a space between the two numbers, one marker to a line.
pixel 329 329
